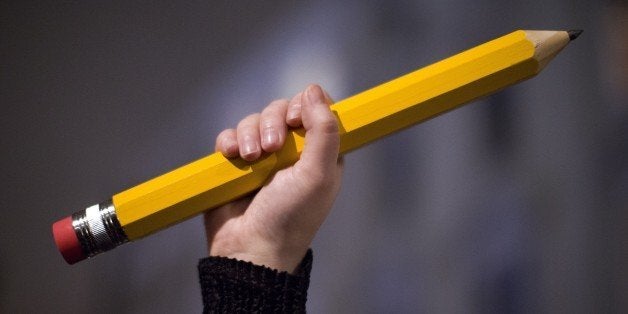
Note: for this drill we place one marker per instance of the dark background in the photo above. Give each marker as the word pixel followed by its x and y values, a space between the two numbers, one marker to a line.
pixel 515 203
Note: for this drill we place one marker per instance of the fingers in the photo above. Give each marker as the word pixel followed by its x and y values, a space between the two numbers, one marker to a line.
pixel 255 134
pixel 266 132
pixel 322 142
pixel 272 126
pixel 248 137
pixel 293 116
pixel 227 143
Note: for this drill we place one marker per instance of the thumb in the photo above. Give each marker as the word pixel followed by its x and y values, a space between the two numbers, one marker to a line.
pixel 322 143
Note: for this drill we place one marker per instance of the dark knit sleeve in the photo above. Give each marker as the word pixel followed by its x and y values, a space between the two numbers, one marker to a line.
pixel 233 286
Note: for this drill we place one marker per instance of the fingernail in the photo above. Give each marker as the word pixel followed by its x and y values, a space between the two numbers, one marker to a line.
pixel 293 112
pixel 249 147
pixel 270 136
pixel 228 146
pixel 314 94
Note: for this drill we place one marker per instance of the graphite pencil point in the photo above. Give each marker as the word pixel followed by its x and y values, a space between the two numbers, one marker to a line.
pixel 574 33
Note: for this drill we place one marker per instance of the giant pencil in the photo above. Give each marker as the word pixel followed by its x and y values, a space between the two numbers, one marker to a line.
pixel 215 180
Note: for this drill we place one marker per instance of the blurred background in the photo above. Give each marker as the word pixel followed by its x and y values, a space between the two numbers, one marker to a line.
pixel 515 203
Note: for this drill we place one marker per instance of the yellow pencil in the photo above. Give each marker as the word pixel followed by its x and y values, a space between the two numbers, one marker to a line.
pixel 214 180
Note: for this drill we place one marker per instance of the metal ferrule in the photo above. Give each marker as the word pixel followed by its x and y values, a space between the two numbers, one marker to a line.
pixel 98 229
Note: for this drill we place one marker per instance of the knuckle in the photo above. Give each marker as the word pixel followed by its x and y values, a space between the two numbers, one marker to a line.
pixel 277 103
pixel 248 120
pixel 275 109
pixel 268 123
pixel 329 126
pixel 296 98
pixel 270 120
pixel 273 116
pixel 224 134
pixel 220 136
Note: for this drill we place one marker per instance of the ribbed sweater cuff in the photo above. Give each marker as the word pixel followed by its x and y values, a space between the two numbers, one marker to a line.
pixel 233 286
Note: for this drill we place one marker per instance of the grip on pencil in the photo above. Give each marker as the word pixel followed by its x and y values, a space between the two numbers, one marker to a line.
pixel 215 180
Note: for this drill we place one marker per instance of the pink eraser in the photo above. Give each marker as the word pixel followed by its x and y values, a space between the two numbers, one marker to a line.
pixel 67 241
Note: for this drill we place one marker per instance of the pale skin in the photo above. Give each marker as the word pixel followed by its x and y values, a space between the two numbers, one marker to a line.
pixel 275 226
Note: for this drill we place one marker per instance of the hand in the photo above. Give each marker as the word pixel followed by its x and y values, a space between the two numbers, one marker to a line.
pixel 275 226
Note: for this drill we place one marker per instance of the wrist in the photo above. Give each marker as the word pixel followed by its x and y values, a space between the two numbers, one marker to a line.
pixel 286 260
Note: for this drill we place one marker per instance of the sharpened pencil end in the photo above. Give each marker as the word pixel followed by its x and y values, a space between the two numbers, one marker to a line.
pixel 574 33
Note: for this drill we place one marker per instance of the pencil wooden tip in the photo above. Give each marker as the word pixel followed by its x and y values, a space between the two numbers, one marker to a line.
pixel 574 33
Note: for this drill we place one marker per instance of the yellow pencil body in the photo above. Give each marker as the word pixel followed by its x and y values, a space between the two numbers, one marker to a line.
pixel 407 100
pixel 365 117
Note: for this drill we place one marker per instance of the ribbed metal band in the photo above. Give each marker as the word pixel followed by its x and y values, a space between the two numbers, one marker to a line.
pixel 98 229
